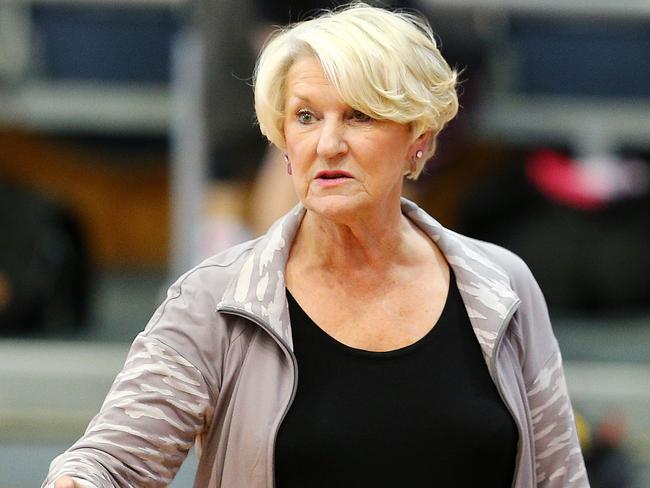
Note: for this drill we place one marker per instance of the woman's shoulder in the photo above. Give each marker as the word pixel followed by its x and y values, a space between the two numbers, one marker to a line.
pixel 488 255
pixel 194 296
pixel 215 272
pixel 531 321
pixel 512 264
pixel 186 321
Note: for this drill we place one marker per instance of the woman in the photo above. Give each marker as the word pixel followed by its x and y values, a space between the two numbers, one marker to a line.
pixel 357 343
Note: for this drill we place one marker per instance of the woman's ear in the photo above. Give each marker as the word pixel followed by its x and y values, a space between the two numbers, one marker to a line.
pixel 422 143
pixel 426 139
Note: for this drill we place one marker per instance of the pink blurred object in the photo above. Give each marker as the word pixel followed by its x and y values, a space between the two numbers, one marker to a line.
pixel 587 184
pixel 220 232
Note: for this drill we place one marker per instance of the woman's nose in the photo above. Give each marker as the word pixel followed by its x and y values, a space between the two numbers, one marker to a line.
pixel 331 143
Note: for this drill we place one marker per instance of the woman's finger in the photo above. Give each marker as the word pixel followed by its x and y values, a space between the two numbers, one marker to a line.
pixel 65 482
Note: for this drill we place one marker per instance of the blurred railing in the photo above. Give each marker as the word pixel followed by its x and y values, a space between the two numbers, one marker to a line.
pixel 588 125
pixel 608 8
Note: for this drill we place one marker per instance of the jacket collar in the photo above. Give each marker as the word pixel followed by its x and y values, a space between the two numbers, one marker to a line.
pixel 258 290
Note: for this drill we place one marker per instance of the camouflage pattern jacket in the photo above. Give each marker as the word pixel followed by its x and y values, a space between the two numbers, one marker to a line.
pixel 214 367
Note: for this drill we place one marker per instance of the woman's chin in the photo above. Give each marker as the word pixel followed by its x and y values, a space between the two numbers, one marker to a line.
pixel 338 208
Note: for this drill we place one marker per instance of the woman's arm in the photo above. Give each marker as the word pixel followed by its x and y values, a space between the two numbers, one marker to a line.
pixel 156 407
pixel 68 482
pixel 558 458
pixel 161 400
pixel 557 454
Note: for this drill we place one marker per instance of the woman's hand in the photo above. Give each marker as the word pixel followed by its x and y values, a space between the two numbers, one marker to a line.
pixel 66 482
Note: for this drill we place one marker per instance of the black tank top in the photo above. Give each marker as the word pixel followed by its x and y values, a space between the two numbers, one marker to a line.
pixel 426 415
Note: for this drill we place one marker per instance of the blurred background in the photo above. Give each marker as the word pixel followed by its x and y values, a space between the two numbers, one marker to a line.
pixel 129 152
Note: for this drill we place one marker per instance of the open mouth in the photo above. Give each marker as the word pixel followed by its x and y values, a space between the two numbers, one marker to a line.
pixel 333 175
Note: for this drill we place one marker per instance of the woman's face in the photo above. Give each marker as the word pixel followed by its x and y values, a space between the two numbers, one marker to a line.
pixel 345 164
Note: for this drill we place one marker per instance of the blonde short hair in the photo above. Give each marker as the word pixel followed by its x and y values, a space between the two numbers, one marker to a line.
pixel 384 64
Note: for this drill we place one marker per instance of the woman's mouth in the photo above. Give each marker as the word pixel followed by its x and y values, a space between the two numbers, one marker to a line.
pixel 333 175
pixel 331 178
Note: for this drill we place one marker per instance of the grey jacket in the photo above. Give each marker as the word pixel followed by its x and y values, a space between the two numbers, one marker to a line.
pixel 214 367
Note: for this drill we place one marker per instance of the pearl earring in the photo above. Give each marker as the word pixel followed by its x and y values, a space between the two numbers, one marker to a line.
pixel 414 162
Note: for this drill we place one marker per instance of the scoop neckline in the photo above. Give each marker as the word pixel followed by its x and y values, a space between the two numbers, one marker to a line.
pixel 392 353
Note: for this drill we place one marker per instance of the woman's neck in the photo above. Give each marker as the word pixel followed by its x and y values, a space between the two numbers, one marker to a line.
pixel 374 245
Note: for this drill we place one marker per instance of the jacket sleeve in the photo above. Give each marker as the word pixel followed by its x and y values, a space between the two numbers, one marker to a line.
pixel 157 406
pixel 557 453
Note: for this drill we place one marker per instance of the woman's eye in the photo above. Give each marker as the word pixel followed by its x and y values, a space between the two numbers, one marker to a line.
pixel 359 116
pixel 305 117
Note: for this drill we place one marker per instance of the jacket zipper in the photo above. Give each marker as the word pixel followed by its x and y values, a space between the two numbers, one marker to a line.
pixel 291 355
pixel 497 382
